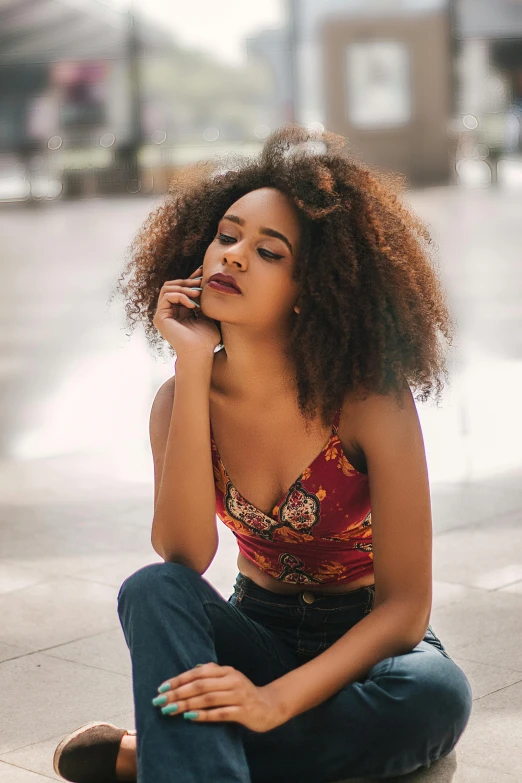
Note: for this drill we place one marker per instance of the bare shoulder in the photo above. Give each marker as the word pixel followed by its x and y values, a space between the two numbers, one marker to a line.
pixel 368 423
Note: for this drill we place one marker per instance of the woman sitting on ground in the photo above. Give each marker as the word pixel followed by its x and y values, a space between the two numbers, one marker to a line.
pixel 298 294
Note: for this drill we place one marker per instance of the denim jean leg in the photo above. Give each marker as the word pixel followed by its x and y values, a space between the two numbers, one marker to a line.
pixel 409 711
pixel 167 629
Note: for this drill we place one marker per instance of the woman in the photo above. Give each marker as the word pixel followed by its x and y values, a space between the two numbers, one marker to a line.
pixel 316 283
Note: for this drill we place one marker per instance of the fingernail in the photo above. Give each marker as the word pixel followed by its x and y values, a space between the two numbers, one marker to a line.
pixel 197 289
pixel 159 700
pixel 169 709
pixel 198 664
pixel 197 305
pixel 190 715
pixel 164 687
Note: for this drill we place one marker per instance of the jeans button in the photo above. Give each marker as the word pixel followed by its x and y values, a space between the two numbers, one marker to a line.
pixel 308 597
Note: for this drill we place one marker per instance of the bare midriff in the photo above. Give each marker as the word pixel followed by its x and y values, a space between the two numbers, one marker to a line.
pixel 274 585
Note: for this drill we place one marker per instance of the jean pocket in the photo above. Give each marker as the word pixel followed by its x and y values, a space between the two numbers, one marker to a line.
pixel 434 640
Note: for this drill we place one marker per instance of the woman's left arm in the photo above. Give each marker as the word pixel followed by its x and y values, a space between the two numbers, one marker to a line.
pixel 392 442
pixel 391 439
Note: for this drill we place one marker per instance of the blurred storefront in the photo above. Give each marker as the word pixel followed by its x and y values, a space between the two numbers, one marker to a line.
pixel 417 86
pixel 96 101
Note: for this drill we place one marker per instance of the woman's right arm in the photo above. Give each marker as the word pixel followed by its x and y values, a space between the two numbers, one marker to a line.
pixel 184 524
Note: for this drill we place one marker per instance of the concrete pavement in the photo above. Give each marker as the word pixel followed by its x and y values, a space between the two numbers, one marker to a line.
pixel 76 476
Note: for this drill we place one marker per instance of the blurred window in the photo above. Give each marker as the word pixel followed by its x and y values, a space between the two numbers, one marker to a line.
pixel 378 83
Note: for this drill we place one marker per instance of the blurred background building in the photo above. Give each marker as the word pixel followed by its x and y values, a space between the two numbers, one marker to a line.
pixel 418 86
pixel 97 99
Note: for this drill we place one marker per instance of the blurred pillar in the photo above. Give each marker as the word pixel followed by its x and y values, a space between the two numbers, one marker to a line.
pixel 292 54
pixel 454 52
pixel 127 153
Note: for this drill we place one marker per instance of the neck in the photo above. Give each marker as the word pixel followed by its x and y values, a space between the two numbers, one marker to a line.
pixel 253 368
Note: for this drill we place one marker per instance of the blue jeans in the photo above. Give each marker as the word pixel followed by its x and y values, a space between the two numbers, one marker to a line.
pixel 408 711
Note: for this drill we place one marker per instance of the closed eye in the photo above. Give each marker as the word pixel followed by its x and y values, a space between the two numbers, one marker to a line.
pixel 226 239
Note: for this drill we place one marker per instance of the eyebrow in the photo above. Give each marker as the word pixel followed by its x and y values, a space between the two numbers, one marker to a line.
pixel 269 232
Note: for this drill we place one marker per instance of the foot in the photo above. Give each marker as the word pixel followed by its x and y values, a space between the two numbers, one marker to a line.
pixel 97 752
pixel 126 768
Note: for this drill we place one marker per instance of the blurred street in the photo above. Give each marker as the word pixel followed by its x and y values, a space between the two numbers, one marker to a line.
pixel 76 473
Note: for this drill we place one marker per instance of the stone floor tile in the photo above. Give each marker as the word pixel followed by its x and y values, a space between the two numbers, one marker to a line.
pixel 466 773
pixel 77 565
pixel 38 757
pixel 493 737
pixel 66 478
pixel 123 719
pixel 516 587
pixel 467 503
pixel 483 629
pixel 14 577
pixel 11 774
pixel 107 651
pixel 33 537
pixel 8 651
pixel 485 678
pixel 487 555
pixel 116 571
pixel 445 593
pixel 47 696
pixel 57 611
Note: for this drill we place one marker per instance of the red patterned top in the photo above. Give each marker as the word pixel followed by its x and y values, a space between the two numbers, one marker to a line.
pixel 320 530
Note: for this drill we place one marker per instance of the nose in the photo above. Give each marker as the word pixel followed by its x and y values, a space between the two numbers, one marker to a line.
pixel 234 261
pixel 235 257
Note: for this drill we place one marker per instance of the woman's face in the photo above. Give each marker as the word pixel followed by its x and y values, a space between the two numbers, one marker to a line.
pixel 257 242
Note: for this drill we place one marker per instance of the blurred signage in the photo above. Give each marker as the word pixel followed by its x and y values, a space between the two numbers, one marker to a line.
pixel 378 84
pixel 82 92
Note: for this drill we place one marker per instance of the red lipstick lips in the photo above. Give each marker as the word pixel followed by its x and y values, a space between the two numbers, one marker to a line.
pixel 225 283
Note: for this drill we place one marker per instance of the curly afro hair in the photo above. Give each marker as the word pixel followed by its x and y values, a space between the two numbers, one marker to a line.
pixel 372 309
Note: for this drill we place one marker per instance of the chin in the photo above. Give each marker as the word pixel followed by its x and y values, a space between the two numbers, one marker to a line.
pixel 217 312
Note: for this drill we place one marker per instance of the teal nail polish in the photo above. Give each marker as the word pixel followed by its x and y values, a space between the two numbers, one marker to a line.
pixel 159 700
pixel 197 305
pixel 197 289
pixel 169 709
pixel 190 715
pixel 164 687
pixel 198 278
pixel 198 664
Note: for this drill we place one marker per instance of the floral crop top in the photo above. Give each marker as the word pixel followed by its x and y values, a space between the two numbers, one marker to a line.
pixel 320 530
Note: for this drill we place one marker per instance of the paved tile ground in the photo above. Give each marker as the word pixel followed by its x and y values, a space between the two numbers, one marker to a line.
pixel 76 478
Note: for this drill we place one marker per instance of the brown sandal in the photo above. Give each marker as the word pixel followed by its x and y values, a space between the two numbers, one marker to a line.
pixel 89 753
